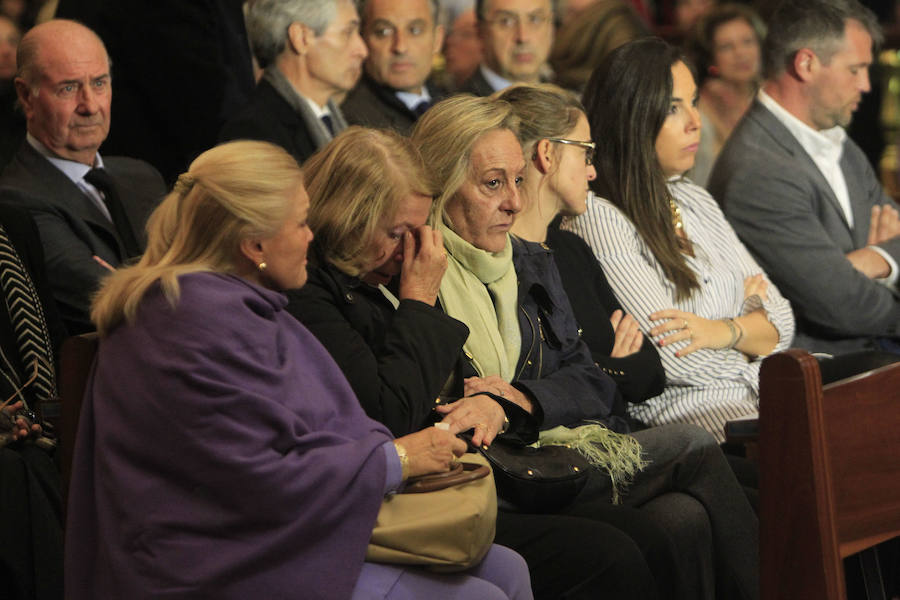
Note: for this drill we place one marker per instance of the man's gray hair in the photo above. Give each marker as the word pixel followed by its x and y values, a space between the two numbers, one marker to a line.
pixel 434 4
pixel 815 24
pixel 268 22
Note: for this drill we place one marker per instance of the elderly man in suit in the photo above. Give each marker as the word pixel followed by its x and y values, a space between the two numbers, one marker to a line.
pixel 312 53
pixel 516 36
pixel 802 196
pixel 403 37
pixel 90 211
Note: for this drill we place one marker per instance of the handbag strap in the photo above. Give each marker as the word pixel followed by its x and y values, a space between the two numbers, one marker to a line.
pixel 462 472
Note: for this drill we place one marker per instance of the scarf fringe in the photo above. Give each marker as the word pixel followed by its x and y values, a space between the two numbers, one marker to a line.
pixel 618 455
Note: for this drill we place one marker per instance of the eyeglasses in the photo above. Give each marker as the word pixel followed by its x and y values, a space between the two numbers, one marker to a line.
pixel 511 21
pixel 589 148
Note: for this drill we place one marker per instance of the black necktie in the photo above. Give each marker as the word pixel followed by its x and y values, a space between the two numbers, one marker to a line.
pixel 420 108
pixel 101 180
pixel 328 124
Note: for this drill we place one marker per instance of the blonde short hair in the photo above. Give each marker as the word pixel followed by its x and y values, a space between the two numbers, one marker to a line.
pixel 446 134
pixel 355 181
pixel 233 192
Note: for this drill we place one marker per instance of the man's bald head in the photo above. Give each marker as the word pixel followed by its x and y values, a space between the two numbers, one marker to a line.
pixel 64 87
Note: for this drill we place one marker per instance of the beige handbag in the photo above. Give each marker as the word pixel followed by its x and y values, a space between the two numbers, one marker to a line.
pixel 447 529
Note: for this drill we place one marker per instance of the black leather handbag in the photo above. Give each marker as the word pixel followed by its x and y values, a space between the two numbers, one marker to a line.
pixel 536 480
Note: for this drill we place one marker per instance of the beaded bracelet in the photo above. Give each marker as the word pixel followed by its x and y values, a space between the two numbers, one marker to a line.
pixel 737 332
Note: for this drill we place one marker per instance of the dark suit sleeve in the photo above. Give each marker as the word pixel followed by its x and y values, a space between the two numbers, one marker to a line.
pixel 771 208
pixel 398 378
pixel 72 272
pixel 568 387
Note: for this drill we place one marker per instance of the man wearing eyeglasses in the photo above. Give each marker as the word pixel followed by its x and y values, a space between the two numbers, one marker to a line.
pixel 402 37
pixel 517 36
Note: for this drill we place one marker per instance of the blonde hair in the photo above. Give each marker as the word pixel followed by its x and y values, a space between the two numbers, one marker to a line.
pixel 446 134
pixel 544 111
pixel 355 181
pixel 230 193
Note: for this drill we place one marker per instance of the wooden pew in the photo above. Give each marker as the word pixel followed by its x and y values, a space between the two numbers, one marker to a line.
pixel 75 360
pixel 829 473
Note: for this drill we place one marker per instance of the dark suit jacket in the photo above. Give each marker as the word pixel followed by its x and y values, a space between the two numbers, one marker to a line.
pixel 476 84
pixel 269 117
pixel 784 211
pixel 373 105
pixel 72 228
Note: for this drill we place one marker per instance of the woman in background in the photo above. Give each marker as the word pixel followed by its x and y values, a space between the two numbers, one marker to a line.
pixel 726 48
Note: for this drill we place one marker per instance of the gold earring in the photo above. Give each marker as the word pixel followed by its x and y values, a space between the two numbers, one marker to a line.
pixel 262 266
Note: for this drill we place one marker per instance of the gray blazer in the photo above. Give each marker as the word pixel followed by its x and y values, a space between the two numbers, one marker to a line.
pixel 72 228
pixel 784 211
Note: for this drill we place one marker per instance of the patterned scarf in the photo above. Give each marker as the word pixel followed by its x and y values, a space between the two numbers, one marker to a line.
pixel 27 317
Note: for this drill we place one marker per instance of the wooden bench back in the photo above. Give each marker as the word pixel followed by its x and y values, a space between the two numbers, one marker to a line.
pixel 829 473
pixel 75 361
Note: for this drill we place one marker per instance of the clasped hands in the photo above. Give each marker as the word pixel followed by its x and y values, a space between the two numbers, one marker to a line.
pixel 715 334
pixel 17 425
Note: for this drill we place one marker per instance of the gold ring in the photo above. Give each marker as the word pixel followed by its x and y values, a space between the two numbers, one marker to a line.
pixel 685 326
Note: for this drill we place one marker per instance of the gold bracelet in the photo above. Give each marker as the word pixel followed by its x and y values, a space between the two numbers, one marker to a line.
pixel 404 460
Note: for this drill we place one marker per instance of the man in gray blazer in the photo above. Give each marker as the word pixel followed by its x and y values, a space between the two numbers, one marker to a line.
pixel 90 211
pixel 802 196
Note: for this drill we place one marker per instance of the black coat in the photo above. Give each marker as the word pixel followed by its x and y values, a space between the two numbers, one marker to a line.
pixel 269 117
pixel 370 104
pixel 639 376
pixel 397 361
pixel 476 84
pixel 555 365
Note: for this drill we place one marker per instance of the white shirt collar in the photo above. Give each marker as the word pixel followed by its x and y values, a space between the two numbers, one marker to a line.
pixel 319 111
pixel 826 144
pixel 73 169
pixel 494 80
pixel 413 100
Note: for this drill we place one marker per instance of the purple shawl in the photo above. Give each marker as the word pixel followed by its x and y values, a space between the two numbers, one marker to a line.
pixel 221 454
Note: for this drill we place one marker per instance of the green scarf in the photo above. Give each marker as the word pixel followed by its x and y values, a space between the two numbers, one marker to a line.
pixel 480 289
pixel 618 455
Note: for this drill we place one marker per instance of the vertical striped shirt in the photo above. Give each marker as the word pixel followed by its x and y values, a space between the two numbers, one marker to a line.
pixel 707 387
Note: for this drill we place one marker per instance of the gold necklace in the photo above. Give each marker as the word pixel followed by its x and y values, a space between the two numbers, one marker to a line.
pixel 676 216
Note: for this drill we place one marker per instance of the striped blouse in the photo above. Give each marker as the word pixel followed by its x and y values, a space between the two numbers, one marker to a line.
pixel 707 387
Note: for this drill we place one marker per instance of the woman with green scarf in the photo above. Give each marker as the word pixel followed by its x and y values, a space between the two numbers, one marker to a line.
pixel 524 347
